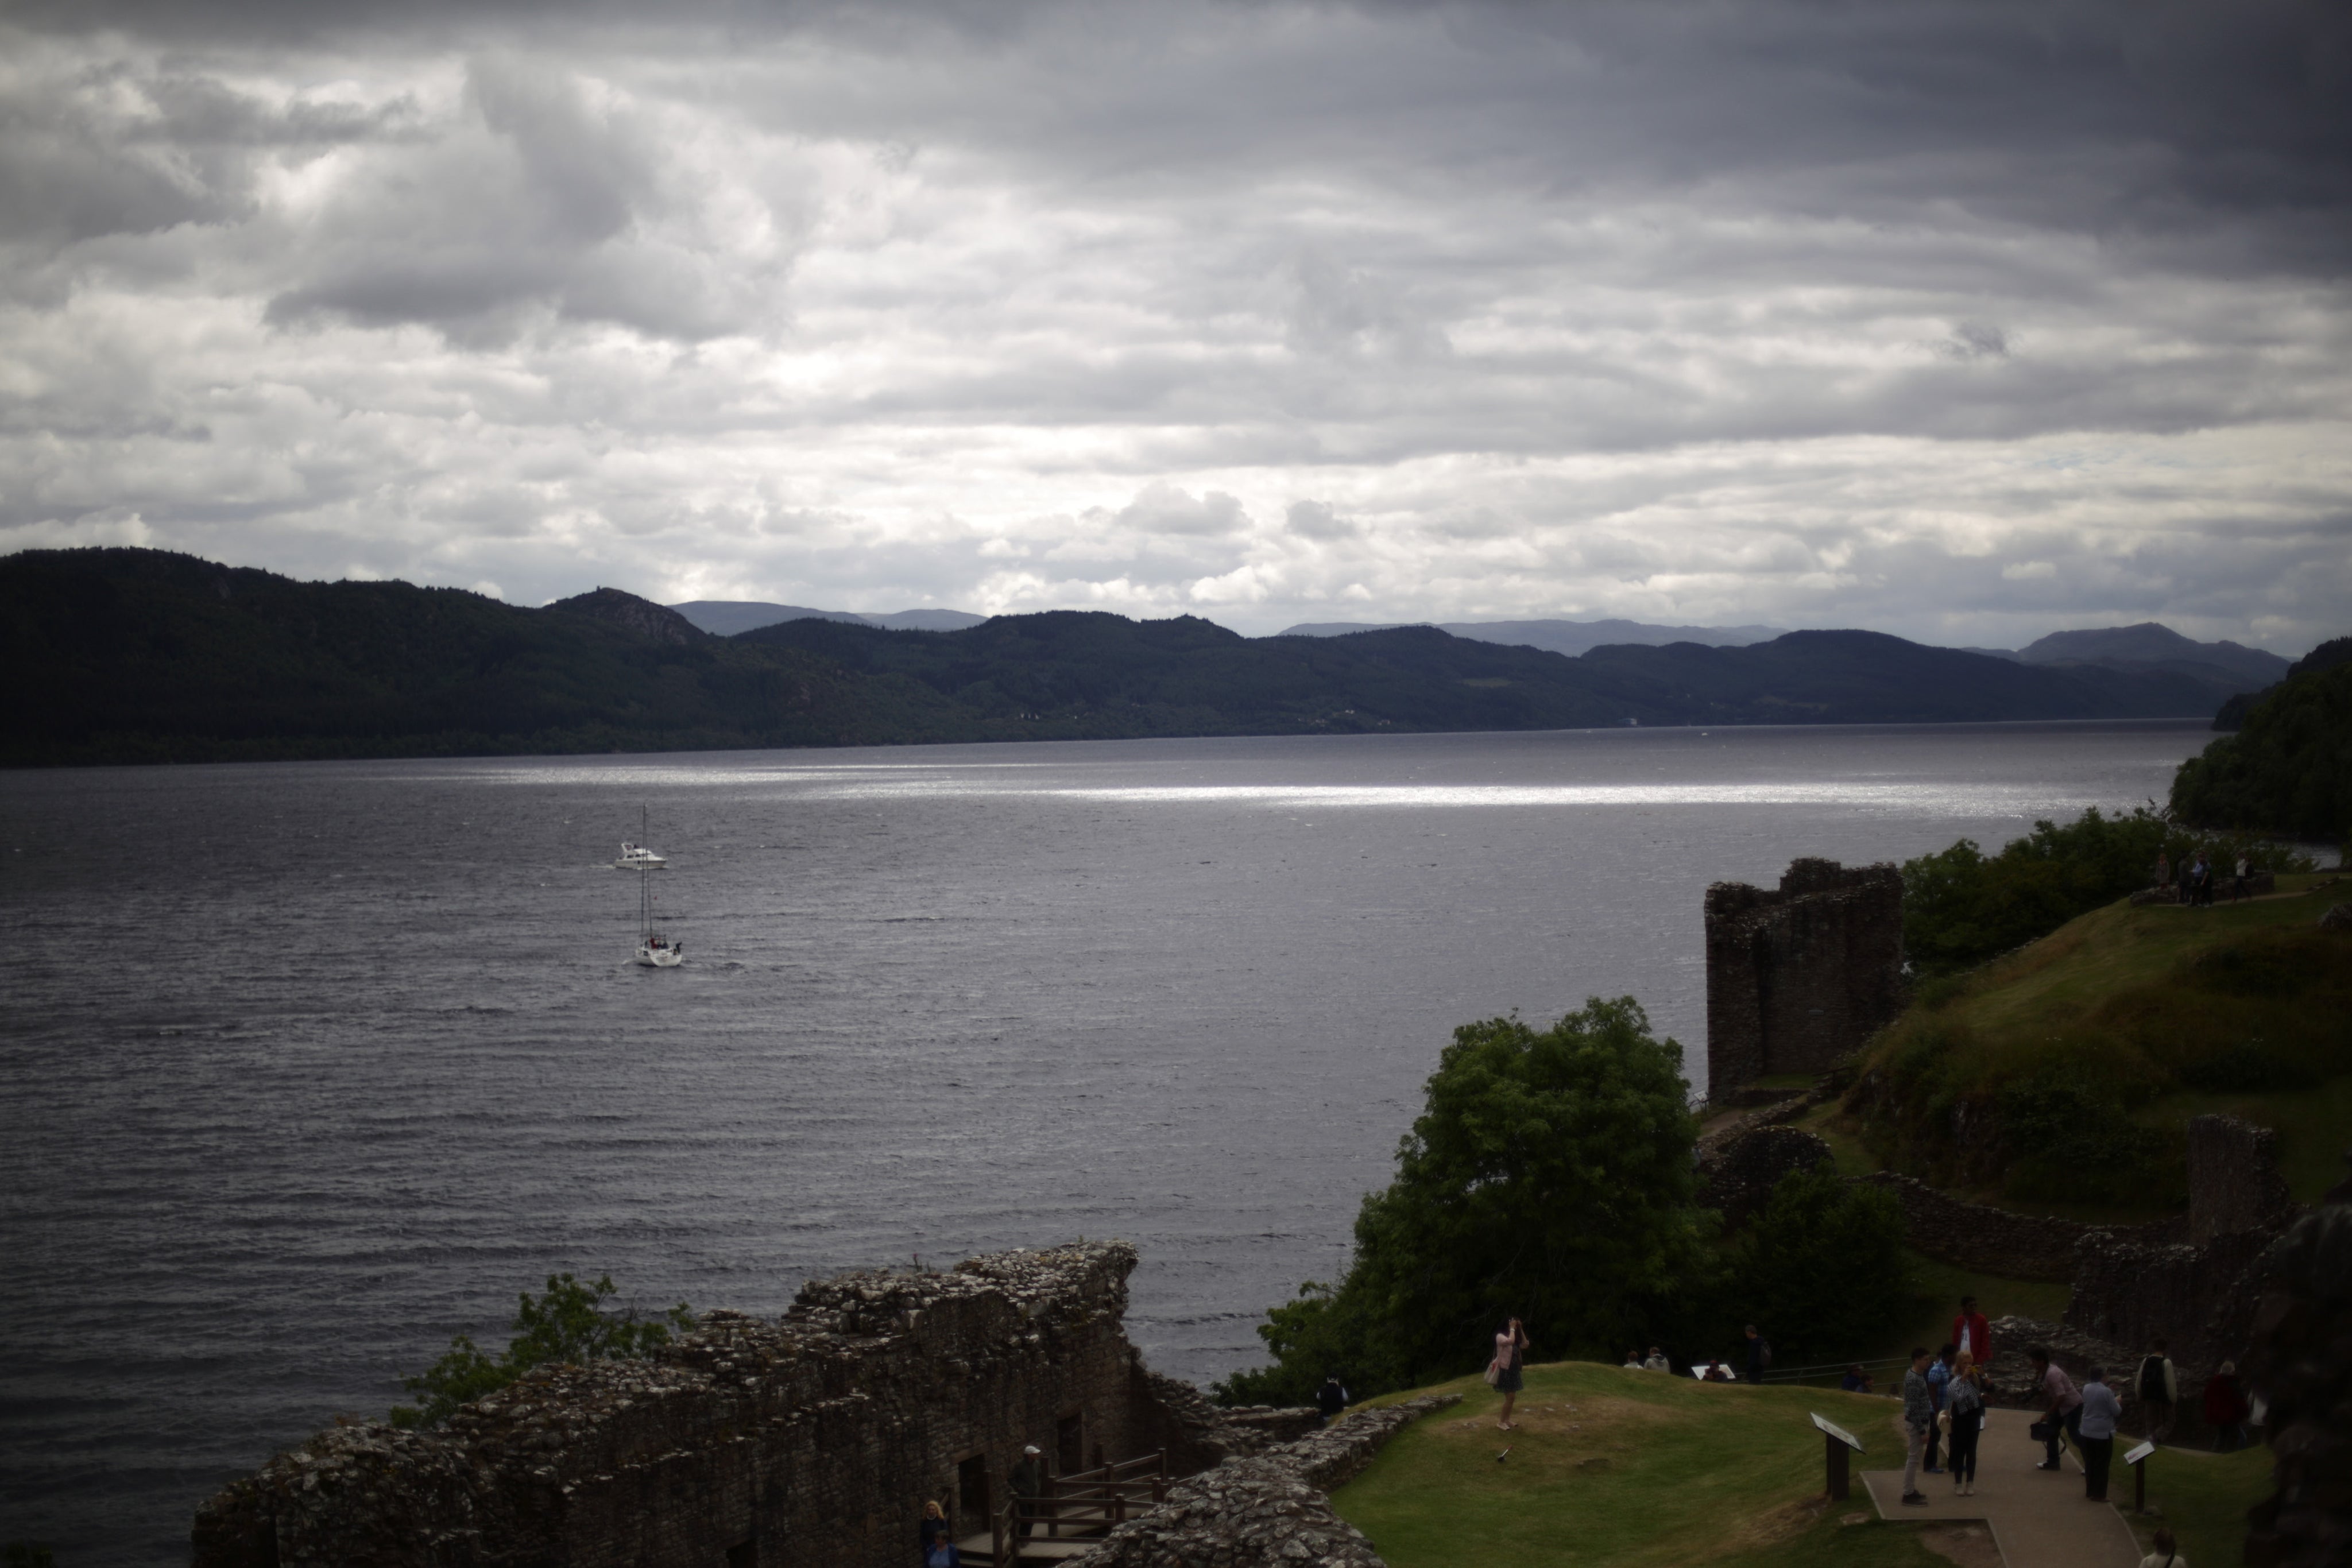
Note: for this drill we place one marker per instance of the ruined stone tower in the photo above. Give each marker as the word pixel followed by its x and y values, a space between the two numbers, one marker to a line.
pixel 1799 978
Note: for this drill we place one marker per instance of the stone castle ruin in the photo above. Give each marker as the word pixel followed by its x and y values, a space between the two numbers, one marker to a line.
pixel 1799 978
pixel 812 1441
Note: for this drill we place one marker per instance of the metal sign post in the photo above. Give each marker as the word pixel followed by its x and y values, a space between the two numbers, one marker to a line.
pixel 2137 1460
pixel 1836 1443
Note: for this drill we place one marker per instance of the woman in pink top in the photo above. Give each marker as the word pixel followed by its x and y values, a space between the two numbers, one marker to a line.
pixel 1510 1353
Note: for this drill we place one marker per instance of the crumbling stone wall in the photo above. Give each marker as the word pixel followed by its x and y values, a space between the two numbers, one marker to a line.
pixel 1798 979
pixel 1270 1510
pixel 1997 1241
pixel 1737 1178
pixel 811 1441
pixel 2301 1362
pixel 2234 1183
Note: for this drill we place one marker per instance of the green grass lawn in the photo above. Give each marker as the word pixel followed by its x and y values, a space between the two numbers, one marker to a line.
pixel 2203 1496
pixel 1629 1469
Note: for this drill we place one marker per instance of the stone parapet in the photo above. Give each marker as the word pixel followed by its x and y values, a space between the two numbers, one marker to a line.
pixel 1737 1178
pixel 2301 1362
pixel 813 1438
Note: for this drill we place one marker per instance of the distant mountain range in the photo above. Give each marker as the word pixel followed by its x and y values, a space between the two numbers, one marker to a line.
pixel 2223 669
pixel 1569 637
pixel 150 657
pixel 732 617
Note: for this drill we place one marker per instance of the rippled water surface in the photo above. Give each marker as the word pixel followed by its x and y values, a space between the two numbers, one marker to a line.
pixel 307 1066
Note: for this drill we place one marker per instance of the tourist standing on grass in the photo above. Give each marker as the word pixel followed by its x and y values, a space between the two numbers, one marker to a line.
pixel 2095 1431
pixel 1657 1361
pixel 1939 1379
pixel 2064 1409
pixel 1918 1420
pixel 2225 1409
pixel 1510 1359
pixel 1759 1354
pixel 2167 1553
pixel 1964 1406
pixel 2159 1391
pixel 2163 869
pixel 1971 1334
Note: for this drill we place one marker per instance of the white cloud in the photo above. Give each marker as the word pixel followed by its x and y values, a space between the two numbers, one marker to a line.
pixel 1968 320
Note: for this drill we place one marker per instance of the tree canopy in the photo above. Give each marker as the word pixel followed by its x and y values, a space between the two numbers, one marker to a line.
pixel 2289 770
pixel 1547 1177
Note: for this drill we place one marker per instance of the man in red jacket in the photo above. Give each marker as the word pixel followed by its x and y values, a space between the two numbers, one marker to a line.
pixel 1972 1333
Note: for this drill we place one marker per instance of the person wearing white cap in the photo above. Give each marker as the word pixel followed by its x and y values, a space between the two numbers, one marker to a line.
pixel 1028 1485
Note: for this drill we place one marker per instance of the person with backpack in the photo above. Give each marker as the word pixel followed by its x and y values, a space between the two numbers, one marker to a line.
pixel 2159 1390
pixel 1760 1355
pixel 1331 1398
pixel 1939 1379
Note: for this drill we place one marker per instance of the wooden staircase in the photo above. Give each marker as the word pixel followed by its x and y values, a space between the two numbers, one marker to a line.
pixel 1076 1511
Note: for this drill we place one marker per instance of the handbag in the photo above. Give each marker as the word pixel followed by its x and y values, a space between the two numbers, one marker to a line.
pixel 1494 1371
pixel 2040 1431
pixel 1943 1420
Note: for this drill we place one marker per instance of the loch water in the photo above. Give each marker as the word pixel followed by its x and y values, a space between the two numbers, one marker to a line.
pixel 305 1067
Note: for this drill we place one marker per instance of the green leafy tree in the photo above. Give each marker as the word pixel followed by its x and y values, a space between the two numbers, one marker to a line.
pixel 2289 769
pixel 1547 1177
pixel 1822 1269
pixel 1962 907
pixel 568 1324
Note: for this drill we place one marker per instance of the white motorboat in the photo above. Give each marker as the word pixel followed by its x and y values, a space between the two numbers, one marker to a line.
pixel 636 857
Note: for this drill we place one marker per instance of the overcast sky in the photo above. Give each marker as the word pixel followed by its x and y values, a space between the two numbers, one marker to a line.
pixel 1965 321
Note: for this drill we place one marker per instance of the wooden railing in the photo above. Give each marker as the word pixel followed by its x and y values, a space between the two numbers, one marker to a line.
pixel 1083 1503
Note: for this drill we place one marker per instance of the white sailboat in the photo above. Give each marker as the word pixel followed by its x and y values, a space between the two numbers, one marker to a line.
pixel 655 950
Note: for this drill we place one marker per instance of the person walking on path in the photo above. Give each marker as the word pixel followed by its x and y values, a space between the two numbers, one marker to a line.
pixel 1509 1367
pixel 2225 1409
pixel 1918 1417
pixel 2238 884
pixel 1971 1334
pixel 2095 1431
pixel 1028 1486
pixel 934 1525
pixel 2060 1416
pixel 1759 1354
pixel 1939 1379
pixel 2159 1391
pixel 2167 1553
pixel 1964 1406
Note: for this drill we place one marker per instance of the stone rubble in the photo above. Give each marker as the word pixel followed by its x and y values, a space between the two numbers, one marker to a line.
pixel 1268 1510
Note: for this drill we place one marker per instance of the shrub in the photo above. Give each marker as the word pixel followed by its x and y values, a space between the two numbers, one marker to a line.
pixel 567 1324
pixel 1821 1269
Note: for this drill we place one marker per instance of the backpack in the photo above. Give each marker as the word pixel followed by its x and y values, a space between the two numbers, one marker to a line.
pixel 1763 1353
pixel 2151 1378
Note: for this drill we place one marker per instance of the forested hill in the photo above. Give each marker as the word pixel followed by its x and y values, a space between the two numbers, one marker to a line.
pixel 2289 769
pixel 141 655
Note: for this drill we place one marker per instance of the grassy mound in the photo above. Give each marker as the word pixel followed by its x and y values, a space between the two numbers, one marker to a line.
pixel 1623 1467
pixel 2066 1070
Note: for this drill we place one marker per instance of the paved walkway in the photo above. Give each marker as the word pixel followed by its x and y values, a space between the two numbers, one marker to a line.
pixel 2039 1519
